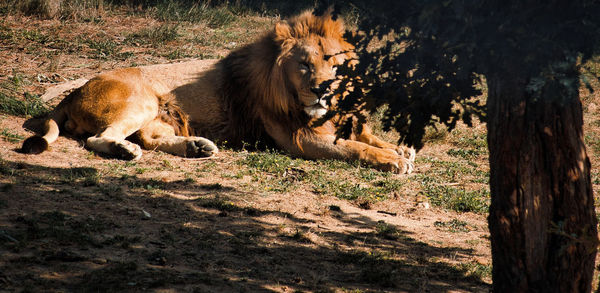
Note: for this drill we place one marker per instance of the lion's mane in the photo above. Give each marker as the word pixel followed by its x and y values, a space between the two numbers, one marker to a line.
pixel 253 84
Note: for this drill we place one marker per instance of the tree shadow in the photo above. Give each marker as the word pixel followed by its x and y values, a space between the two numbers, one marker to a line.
pixel 66 229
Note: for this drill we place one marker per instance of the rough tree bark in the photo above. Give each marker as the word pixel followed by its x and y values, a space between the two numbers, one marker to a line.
pixel 542 219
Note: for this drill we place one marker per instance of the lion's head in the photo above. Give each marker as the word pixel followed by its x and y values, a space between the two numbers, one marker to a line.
pixel 284 76
pixel 311 49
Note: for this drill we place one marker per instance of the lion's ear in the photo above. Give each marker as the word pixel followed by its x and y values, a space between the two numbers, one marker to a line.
pixel 283 31
pixel 283 35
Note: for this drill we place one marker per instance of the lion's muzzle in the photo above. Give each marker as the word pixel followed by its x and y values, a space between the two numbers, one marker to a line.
pixel 316 110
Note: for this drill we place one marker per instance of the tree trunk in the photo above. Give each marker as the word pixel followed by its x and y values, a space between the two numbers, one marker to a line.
pixel 542 220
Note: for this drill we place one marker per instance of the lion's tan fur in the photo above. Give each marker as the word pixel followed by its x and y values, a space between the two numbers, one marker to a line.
pixel 266 91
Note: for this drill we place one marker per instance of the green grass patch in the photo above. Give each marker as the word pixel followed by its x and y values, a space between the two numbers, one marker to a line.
pixel 593 142
pixel 378 187
pixel 467 154
pixel 450 171
pixel 476 270
pixel 387 231
pixel 277 172
pixel 18 36
pixel 82 175
pixel 103 48
pixel 156 36
pixel 219 204
pixel 214 17
pixel 269 161
pixel 438 185
pixel 274 171
pixel 435 134
pixel 374 267
pixel 334 165
pixel 476 141
pixel 347 190
pixel 32 40
pixel 10 136
pixel 458 199
pixel 74 9
pixel 595 176
pixel 177 54
pixel 29 106
pixel 151 185
pixel 453 225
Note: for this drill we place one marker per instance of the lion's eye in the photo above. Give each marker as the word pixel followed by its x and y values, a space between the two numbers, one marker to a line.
pixel 304 67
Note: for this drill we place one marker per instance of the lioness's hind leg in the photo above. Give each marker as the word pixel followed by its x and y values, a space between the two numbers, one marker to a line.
pixel 161 136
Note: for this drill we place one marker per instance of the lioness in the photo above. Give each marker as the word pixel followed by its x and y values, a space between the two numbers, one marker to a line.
pixel 269 90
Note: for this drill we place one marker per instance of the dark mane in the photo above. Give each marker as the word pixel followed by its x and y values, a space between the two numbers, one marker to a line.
pixel 251 87
pixel 255 87
pixel 171 113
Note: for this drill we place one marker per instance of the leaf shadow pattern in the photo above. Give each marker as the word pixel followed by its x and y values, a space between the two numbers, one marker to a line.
pixel 74 235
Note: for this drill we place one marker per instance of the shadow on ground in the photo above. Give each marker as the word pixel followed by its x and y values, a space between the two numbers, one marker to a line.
pixel 71 229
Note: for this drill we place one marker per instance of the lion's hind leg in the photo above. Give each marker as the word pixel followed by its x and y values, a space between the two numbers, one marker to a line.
pixel 112 141
pixel 159 135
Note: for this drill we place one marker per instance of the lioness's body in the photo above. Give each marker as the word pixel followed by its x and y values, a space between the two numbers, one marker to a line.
pixel 269 90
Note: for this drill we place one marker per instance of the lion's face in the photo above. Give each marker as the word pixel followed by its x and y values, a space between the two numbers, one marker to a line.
pixel 310 62
pixel 310 71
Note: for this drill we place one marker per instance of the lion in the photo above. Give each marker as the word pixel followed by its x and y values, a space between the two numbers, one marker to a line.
pixel 270 91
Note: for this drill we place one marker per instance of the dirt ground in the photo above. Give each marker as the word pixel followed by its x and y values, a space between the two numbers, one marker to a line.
pixel 71 220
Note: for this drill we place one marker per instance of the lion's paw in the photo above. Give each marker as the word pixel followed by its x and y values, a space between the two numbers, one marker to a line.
pixel 200 147
pixel 390 161
pixel 401 166
pixel 410 167
pixel 126 150
pixel 407 152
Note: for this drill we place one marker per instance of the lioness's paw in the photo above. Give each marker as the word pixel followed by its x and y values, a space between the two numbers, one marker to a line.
pixel 126 150
pixel 200 147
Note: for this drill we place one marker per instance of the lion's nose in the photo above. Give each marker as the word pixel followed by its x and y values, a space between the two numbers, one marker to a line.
pixel 319 91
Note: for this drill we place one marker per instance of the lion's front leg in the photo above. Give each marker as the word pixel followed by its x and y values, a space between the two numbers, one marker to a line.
pixel 367 137
pixel 321 143
pixel 158 135
pixel 384 159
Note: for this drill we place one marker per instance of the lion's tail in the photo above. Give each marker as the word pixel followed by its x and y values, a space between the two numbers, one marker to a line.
pixel 39 143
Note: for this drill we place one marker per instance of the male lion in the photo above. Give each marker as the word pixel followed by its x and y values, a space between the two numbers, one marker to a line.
pixel 268 91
